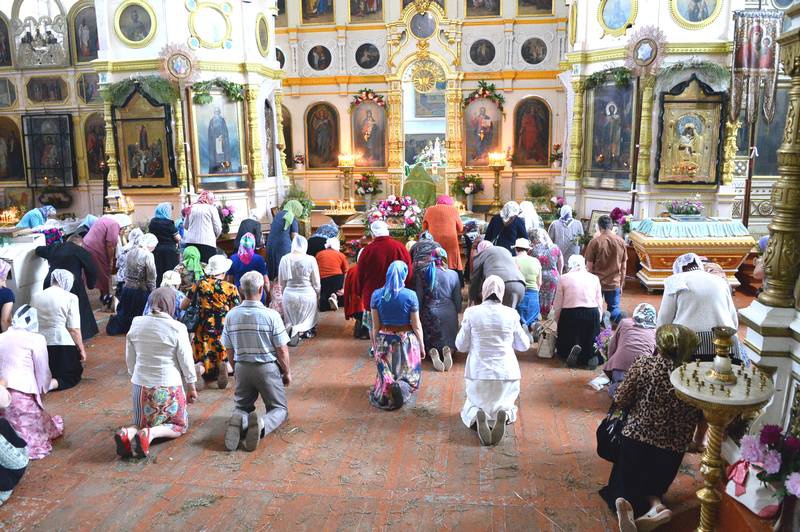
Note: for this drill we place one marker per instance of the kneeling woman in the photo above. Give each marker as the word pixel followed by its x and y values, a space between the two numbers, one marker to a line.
pixel 159 359
pixel 140 280
pixel 397 341
pixel 490 332
pixel 656 434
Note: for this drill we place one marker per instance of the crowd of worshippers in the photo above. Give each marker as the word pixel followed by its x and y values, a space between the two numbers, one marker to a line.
pixel 194 317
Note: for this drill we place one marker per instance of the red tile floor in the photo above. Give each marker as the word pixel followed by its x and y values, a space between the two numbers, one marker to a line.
pixel 337 463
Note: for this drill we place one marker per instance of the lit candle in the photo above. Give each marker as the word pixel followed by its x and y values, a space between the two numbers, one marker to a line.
pixel 333 204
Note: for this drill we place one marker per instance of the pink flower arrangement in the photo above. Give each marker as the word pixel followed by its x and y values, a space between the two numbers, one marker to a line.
pixel 226 213
pixel 396 210
pixel 777 456
pixel 623 218
pixel 367 95
pixel 601 341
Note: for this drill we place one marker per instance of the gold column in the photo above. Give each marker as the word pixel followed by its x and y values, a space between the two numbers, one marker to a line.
pixel 180 141
pixel 256 167
pixel 576 133
pixel 80 150
pixel 111 149
pixel 729 152
pixel 281 145
pixel 782 258
pixel 455 112
pixel 394 101
pixel 646 131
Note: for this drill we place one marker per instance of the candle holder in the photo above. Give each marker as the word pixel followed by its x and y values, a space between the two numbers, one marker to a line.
pixel 497 161
pixel 346 164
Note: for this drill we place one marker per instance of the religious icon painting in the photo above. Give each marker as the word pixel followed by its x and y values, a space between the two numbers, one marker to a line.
pixel 616 16
pixel 483 123
pixel 695 14
pixel 143 133
pixel 280 19
pixel 532 133
pixel 482 8
pixel 47 90
pixel 48 148
pixel 280 57
pixel 482 52
pixel 287 137
pixel 609 137
pixel 366 11
pixel 11 161
pixel 422 25
pixel 5 43
pixel 527 8
pixel 262 35
pixel 135 23
pixel 84 35
pixel 369 135
pixel 269 139
pixel 319 57
pixel 94 135
pixel 218 141
pixel 690 133
pixel 322 136
pixel 89 88
pixel 534 51
pixel 8 93
pixel 317 11
pixel 367 56
pixel 429 104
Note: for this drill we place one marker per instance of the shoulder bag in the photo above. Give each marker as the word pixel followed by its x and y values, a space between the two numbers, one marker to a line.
pixel 191 317
pixel 609 433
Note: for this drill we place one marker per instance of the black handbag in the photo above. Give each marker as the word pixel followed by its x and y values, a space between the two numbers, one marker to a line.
pixel 609 433
pixel 191 316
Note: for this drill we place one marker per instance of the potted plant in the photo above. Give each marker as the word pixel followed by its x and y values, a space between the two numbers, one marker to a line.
pixel 539 192
pixel 297 193
pixel 367 185
pixel 299 161
pixel 467 185
pixel 556 155
pixel 686 210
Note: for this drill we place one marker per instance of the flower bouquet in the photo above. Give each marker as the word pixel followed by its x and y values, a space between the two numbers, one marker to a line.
pixel 556 155
pixel 601 341
pixel 685 210
pixel 367 184
pixel 225 216
pixel 623 218
pixel 467 185
pixel 299 159
pixel 401 213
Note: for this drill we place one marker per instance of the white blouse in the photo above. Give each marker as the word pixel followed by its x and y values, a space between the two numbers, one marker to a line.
pixel 699 300
pixel 158 352
pixel 299 271
pixel 57 310
pixel 203 225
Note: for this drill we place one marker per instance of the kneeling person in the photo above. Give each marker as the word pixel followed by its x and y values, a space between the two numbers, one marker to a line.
pixel 256 340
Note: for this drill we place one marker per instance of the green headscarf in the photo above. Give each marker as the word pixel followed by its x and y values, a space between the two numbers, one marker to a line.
pixel 293 209
pixel 191 259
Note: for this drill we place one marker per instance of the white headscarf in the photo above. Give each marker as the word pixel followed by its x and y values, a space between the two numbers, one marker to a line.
pixel 685 260
pixel 254 215
pixel 379 228
pixel 493 285
pixel 333 243
pixel 149 242
pixel 299 244
pixel 576 263
pixel 64 279
pixel 565 214
pixel 134 239
pixel 26 318
pixel 676 282
pixel 171 278
pixel 510 210
pixel 530 215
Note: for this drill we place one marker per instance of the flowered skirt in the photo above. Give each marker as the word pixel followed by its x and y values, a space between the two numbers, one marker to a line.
pixel 398 358
pixel 547 292
pixel 208 350
pixel 163 406
pixel 33 423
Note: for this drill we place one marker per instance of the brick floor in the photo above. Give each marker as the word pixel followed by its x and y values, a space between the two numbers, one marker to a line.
pixel 337 463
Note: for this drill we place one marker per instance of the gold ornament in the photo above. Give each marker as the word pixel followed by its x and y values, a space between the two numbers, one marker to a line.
pixel 425 75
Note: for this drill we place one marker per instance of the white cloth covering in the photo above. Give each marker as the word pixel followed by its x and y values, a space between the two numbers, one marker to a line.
pixel 158 352
pixel 58 310
pixel 298 275
pixel 491 396
pixel 699 300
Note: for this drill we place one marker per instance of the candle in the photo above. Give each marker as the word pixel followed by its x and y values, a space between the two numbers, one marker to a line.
pixel 333 204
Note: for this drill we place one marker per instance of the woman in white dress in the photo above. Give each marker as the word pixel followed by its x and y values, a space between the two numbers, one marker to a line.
pixel 298 276
pixel 490 332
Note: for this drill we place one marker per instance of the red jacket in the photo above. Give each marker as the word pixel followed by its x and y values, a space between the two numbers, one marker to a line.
pixel 374 263
pixel 352 293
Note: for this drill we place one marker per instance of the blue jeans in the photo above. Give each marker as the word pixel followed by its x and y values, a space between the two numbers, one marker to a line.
pixel 612 301
pixel 528 308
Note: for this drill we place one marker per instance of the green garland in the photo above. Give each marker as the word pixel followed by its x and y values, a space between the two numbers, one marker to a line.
pixel 156 87
pixel 488 91
pixel 620 75
pixel 712 73
pixel 202 90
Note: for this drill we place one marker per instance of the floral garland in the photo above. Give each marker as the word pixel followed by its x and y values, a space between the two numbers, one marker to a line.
pixel 488 91
pixel 367 95
pixel 402 213
pixel 202 90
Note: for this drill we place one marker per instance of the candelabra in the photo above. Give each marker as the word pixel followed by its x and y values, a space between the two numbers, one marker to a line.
pixel 346 164
pixel 497 161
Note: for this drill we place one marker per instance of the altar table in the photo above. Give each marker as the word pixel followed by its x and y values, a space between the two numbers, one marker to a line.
pixel 659 241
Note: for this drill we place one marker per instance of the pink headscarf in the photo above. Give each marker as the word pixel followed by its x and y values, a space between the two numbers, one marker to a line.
pixel 444 199
pixel 482 246
pixel 206 197
pixel 4 269
pixel 247 248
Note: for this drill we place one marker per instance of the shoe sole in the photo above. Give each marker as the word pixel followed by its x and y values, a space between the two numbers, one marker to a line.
pixel 222 376
pixel 438 365
pixel 138 452
pixel 499 429
pixel 484 433
pixel 397 395
pixel 572 358
pixel 233 434
pixel 253 435
pixel 334 304
pixel 122 449
pixel 448 358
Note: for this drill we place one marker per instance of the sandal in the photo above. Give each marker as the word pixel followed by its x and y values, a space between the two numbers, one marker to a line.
pixel 123 443
pixel 625 518
pixel 653 519
pixel 141 443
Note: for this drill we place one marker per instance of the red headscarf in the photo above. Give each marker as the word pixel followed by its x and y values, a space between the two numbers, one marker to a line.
pixel 444 199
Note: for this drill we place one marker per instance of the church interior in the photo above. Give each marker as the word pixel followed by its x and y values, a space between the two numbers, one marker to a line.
pixel 665 127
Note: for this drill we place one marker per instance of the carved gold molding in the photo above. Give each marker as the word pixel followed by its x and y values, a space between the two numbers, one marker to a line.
pixel 729 152
pixel 646 131
pixel 576 131
pixel 111 148
pixel 611 54
pixel 180 145
pixel 254 144
pixel 279 134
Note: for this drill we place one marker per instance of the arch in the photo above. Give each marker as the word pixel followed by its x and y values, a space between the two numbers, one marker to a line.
pixel 11 135
pixel 10 42
pixel 94 153
pixel 322 160
pixel 527 150
pixel 72 32
pixel 18 3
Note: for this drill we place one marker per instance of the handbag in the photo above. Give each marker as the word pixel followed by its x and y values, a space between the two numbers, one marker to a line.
pixel 745 487
pixel 191 316
pixel 609 433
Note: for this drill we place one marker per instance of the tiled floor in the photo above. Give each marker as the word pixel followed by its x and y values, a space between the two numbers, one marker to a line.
pixel 337 463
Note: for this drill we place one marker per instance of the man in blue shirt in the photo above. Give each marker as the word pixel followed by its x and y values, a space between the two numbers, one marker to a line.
pixel 256 341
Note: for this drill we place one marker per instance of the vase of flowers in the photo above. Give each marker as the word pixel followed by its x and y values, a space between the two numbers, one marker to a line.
pixel 226 217
pixel 556 156
pixel 601 341
pixel 686 210
pixel 623 219
pixel 467 185
pixel 367 185
pixel 299 161
pixel 401 213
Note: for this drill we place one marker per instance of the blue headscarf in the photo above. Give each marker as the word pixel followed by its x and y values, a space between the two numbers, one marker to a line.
pixel 47 211
pixel 164 210
pixel 328 231
pixel 438 260
pixel 762 243
pixel 395 279
pixel 89 221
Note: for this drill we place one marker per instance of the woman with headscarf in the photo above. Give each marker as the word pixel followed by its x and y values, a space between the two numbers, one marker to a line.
pixel 298 275
pixel 172 281
pixel 578 310
pixel 397 340
pixel 530 216
pixel 506 227
pixel 59 322
pixel 318 240
pixel 353 306
pixel 202 225
pixel 333 266
pixel 101 242
pixel 7 297
pixel 246 260
pixel 140 280
pixel 134 239
pixel 656 434
pixel 552 262
pixel 70 256
pixel 635 336
pixel 166 252
pixel 564 233
pixel 25 370
pixel 495 260
pixel 85 225
pixel 190 268
pixel 159 359
pixel 445 225
pixel 215 298
pixel 490 333
pixel 252 225
pixel 375 260
pixel 281 235
pixel 36 217
pixel 698 300
pixel 438 290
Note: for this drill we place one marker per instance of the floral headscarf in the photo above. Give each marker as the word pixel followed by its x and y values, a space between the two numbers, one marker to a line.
pixel 685 260
pixel 644 316
pixel 565 214
pixel 438 260
pixel 293 209
pixel 247 248
pixel 191 261
pixel 327 231
pixel 164 210
pixel 64 279
pixel 206 197
pixel 576 263
pixel 510 211
pixel 395 279
pixel 47 211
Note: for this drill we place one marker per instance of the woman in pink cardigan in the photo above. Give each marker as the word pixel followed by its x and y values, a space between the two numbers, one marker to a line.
pixel 578 310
